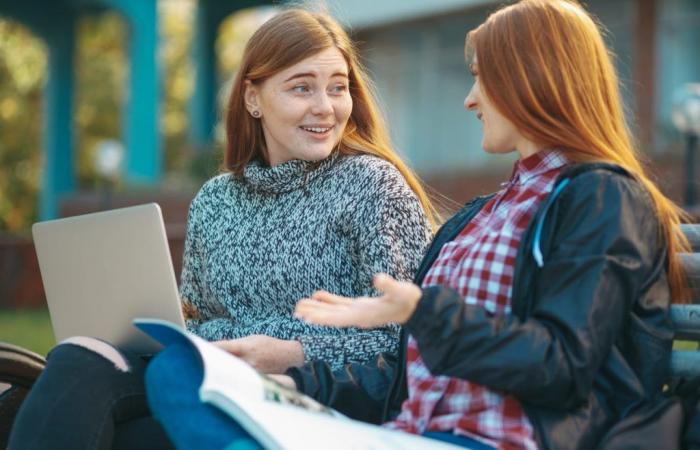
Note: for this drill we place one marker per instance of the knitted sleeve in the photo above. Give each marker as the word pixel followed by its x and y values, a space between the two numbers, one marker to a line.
pixel 391 235
pixel 196 309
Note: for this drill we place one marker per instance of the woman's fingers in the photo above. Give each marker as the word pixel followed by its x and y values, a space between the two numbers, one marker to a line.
pixel 393 288
pixel 385 283
pixel 316 314
pixel 327 297
pixel 232 346
pixel 320 313
pixel 311 305
pixel 396 305
pixel 402 294
pixel 354 314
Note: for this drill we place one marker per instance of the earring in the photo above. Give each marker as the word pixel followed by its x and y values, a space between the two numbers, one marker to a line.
pixel 255 114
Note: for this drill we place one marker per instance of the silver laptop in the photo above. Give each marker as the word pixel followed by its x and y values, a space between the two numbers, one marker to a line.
pixel 102 270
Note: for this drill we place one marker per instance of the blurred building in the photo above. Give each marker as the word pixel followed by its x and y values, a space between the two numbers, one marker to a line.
pixel 415 51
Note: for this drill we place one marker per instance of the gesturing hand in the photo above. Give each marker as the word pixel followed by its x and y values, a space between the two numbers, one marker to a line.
pixel 265 353
pixel 395 306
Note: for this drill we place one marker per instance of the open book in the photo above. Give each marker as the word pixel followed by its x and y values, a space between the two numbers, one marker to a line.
pixel 277 417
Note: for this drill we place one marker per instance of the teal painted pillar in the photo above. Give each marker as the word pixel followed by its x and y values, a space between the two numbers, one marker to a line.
pixel 140 121
pixel 59 170
pixel 203 105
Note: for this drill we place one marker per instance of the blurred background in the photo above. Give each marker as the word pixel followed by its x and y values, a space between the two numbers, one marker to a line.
pixel 109 103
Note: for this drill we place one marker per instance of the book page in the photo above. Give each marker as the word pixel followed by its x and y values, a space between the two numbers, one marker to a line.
pixel 221 369
pixel 227 373
pixel 287 427
pixel 279 418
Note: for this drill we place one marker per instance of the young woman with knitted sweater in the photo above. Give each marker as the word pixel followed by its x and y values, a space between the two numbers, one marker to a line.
pixel 313 197
pixel 539 315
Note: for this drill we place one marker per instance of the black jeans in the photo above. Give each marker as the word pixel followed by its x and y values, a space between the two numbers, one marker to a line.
pixel 83 400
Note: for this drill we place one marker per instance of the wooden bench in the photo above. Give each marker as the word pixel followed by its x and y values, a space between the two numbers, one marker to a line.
pixel 19 368
pixel 685 359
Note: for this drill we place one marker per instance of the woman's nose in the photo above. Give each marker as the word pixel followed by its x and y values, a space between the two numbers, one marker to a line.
pixel 322 104
pixel 470 101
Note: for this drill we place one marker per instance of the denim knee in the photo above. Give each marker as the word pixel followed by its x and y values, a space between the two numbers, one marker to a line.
pixel 97 347
pixel 86 387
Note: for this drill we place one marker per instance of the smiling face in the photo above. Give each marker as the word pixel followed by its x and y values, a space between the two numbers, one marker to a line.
pixel 304 108
pixel 499 134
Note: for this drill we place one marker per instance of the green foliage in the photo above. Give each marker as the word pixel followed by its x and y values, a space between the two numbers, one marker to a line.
pixel 233 36
pixel 101 71
pixel 100 75
pixel 176 32
pixel 22 68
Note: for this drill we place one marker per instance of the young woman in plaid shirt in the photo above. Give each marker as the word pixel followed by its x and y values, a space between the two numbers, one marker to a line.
pixel 538 318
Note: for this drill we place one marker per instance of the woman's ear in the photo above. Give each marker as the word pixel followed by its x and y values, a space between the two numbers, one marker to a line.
pixel 251 96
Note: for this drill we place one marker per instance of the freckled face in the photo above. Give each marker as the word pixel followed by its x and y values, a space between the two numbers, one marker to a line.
pixel 499 134
pixel 304 108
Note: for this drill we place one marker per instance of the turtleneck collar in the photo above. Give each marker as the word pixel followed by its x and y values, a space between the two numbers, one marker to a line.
pixel 287 176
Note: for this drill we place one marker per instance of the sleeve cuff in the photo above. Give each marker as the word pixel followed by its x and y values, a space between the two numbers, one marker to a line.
pixel 307 347
pixel 421 317
pixel 305 379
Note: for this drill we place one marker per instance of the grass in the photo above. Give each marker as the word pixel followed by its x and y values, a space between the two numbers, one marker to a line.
pixel 30 329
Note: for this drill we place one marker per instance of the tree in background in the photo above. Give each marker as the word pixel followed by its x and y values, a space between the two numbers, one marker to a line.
pixel 176 32
pixel 100 75
pixel 101 71
pixel 22 72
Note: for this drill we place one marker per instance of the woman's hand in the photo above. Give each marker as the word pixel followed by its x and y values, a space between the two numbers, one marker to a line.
pixel 284 380
pixel 265 353
pixel 395 306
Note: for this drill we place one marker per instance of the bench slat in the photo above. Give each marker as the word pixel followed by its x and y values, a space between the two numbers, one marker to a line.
pixel 685 364
pixel 690 262
pixel 692 232
pixel 686 321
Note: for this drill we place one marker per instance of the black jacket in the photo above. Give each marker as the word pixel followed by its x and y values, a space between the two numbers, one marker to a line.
pixel 589 339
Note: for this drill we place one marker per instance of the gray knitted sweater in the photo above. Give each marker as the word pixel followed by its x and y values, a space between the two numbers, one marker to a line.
pixel 257 244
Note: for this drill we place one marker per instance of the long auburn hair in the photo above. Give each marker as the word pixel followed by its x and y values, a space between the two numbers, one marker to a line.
pixel 286 39
pixel 545 67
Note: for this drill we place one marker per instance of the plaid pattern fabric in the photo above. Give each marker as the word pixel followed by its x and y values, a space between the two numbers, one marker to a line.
pixel 479 264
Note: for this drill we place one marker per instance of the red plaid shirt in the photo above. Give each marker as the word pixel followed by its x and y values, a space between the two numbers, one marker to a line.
pixel 479 265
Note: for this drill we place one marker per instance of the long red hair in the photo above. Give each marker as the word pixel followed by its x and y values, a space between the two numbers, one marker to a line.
pixel 286 39
pixel 545 67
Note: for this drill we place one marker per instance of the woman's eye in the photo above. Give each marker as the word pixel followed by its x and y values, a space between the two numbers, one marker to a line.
pixel 339 89
pixel 301 88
